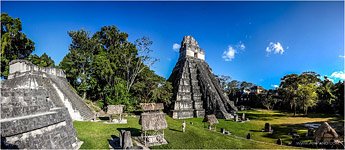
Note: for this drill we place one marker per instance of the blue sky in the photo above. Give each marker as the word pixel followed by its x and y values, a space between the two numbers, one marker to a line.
pixel 257 42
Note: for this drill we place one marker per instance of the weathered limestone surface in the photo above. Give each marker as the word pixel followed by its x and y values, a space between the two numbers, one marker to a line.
pixel 24 74
pixel 37 108
pixel 29 121
pixel 196 91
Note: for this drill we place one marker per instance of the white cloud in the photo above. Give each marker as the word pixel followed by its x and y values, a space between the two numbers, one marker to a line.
pixel 330 80
pixel 339 75
pixel 241 46
pixel 275 86
pixel 176 47
pixel 341 56
pixel 277 48
pixel 229 54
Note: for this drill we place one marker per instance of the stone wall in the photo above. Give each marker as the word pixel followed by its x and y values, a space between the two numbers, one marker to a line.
pixel 29 121
pixel 190 48
pixel 18 67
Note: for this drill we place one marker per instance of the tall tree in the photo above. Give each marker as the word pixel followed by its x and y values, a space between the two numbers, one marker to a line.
pixel 326 97
pixel 307 96
pixel 246 85
pixel 135 65
pixel 79 60
pixel 338 91
pixel 288 90
pixel 42 61
pixel 14 43
pixel 269 100
pixel 152 88
pixel 300 91
pixel 105 67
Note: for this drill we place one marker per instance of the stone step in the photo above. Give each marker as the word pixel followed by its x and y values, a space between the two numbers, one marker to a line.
pixel 183 97
pixel 183 114
pixel 199 113
pixel 197 94
pixel 184 82
pixel 183 105
pixel 198 105
pixel 184 88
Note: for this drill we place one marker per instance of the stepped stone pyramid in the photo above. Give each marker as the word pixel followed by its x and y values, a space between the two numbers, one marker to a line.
pixel 24 74
pixel 196 91
pixel 37 108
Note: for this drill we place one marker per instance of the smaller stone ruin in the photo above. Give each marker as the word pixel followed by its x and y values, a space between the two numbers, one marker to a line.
pixel 117 112
pixel 240 119
pixel 153 123
pixel 125 139
pixel 325 133
pixel 212 121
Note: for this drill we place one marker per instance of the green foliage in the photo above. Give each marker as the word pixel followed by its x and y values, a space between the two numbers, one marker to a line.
pixel 14 43
pixel 307 96
pixel 268 100
pixel 306 91
pixel 326 96
pixel 42 61
pixel 106 67
pixel 152 88
pixel 338 91
pixel 246 85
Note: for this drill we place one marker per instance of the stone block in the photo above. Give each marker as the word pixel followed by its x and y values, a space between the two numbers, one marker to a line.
pixel 183 105
pixel 199 113
pixel 183 114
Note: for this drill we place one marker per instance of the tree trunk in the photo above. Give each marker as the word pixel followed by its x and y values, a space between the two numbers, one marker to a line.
pixel 294 112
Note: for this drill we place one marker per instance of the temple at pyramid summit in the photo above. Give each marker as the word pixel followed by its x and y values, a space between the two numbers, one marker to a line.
pixel 196 91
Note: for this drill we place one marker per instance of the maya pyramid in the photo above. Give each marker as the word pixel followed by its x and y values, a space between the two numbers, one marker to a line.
pixel 196 91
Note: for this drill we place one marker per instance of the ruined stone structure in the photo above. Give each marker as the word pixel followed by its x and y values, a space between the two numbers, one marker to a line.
pixel 37 107
pixel 23 75
pixel 116 111
pixel 29 120
pixel 196 91
pixel 153 123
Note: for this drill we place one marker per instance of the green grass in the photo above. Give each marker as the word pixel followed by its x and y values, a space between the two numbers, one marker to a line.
pixel 95 134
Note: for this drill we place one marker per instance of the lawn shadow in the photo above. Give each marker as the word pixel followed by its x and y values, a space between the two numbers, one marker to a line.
pixel 255 130
pixel 103 118
pixel 134 131
pixel 264 117
pixel 175 130
pixel 114 142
